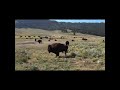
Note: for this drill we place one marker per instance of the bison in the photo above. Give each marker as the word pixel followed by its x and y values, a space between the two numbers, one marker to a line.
pixel 73 40
pixel 40 37
pixel 39 41
pixel 55 40
pixel 84 39
pixel 75 37
pixel 46 37
pixel 56 48
pixel 67 43
pixel 49 40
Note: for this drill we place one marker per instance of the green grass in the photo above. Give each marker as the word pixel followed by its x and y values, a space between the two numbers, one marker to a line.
pixel 82 55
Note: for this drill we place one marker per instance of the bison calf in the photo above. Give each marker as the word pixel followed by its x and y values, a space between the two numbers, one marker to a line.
pixel 56 48
pixel 39 41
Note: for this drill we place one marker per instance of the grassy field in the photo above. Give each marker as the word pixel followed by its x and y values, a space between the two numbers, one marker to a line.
pixel 82 55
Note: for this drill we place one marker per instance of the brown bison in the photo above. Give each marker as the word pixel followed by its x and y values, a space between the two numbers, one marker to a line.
pixel 84 39
pixel 55 40
pixel 67 43
pixel 75 37
pixel 46 37
pixel 39 41
pixel 40 37
pixel 73 40
pixel 56 48
pixel 49 40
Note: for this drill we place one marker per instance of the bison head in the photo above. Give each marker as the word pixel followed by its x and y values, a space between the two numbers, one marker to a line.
pixel 49 48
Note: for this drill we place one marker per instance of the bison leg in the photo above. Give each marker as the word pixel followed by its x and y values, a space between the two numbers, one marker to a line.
pixel 65 53
pixel 57 54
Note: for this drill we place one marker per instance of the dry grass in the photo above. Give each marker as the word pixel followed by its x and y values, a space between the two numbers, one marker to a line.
pixel 82 55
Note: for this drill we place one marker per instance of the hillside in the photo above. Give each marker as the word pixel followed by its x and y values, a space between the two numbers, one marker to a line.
pixel 89 28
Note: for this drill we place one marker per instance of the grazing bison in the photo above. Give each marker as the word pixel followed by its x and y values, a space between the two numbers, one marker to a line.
pixel 67 43
pixel 35 39
pixel 26 38
pixel 29 36
pixel 49 40
pixel 46 37
pixel 39 41
pixel 75 37
pixel 20 36
pixel 84 39
pixel 56 48
pixel 40 37
pixel 55 40
pixel 73 40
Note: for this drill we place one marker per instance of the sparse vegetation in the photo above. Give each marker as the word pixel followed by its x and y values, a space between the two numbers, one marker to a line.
pixel 82 55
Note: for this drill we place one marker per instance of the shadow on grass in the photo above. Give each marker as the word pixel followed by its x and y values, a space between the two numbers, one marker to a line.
pixel 68 56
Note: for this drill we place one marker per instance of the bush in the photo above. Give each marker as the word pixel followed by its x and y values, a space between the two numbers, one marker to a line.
pixel 72 54
pixel 22 56
pixel 35 68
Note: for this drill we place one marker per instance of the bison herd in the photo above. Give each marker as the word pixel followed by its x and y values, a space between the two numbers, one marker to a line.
pixel 56 48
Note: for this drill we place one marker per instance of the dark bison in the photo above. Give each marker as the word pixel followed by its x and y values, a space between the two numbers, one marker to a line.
pixel 39 41
pixel 35 39
pixel 40 37
pixel 55 40
pixel 103 40
pixel 84 39
pixel 26 38
pixel 56 48
pixel 20 36
pixel 46 37
pixel 49 40
pixel 67 43
pixel 73 40
pixel 75 37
